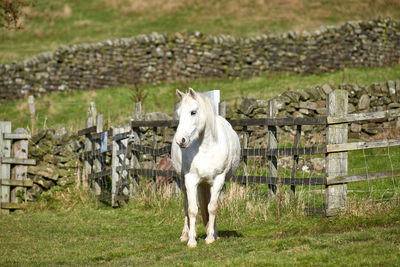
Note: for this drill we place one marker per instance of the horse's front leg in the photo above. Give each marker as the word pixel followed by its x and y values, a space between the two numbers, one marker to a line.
pixel 185 231
pixel 212 232
pixel 191 183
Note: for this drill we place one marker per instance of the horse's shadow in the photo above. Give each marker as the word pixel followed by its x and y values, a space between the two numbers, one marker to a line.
pixel 225 234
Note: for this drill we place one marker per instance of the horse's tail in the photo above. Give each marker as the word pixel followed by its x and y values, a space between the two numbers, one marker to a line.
pixel 204 196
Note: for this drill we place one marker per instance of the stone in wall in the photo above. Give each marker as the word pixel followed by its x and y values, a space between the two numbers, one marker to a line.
pixel 56 155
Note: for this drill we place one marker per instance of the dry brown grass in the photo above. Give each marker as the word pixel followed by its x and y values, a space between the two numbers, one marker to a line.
pixel 239 198
pixel 64 11
pixel 367 207
pixel 299 14
pixel 83 23
pixel 151 6
pixel 63 199
pixel 387 133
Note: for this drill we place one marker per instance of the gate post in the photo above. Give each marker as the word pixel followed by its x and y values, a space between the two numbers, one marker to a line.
pixel 272 143
pixel 97 163
pixel 5 152
pixel 336 162
pixel 88 160
pixel 19 149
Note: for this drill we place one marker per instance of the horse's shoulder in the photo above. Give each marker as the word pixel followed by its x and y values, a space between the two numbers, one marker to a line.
pixel 227 127
pixel 222 121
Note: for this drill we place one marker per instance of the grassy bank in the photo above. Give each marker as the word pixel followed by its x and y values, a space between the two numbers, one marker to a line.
pixel 49 24
pixel 69 108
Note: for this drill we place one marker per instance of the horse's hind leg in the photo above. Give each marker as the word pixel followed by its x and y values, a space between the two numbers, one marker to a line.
pixel 185 231
pixel 212 232
pixel 203 193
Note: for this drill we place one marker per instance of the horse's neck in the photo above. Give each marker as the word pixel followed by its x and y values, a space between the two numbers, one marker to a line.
pixel 209 135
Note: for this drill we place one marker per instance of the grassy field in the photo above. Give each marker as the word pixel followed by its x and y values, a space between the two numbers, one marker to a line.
pixel 65 230
pixel 69 108
pixel 67 227
pixel 49 24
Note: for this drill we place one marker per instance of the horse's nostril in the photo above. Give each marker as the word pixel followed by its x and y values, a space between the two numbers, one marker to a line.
pixel 183 140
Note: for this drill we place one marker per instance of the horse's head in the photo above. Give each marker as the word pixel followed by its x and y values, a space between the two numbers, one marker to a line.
pixel 191 118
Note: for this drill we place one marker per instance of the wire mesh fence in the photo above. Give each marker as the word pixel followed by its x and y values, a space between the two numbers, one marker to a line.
pixel 282 159
pixel 369 161
pixel 287 166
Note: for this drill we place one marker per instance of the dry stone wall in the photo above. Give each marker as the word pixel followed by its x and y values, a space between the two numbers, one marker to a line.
pixel 160 57
pixel 57 155
pixel 312 102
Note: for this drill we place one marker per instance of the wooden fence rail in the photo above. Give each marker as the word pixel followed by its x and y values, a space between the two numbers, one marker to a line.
pixel 13 167
pixel 361 177
pixel 124 149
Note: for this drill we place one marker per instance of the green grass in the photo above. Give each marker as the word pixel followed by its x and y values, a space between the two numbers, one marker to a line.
pixel 69 108
pixel 67 227
pixel 374 160
pixel 146 232
pixel 49 24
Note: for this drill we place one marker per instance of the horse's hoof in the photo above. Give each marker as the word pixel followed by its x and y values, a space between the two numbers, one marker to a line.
pixel 184 239
pixel 192 245
pixel 209 241
pixel 211 238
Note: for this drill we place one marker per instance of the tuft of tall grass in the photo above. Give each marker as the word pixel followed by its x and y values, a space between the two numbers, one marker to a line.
pixel 237 203
pixel 63 198
pixel 252 203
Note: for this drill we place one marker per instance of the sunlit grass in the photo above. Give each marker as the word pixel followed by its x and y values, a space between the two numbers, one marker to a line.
pixel 146 232
pixel 68 109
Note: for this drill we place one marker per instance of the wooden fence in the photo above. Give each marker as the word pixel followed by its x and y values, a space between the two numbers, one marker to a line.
pixel 124 145
pixel 13 167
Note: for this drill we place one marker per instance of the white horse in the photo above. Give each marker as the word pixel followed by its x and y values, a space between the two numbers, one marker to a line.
pixel 205 151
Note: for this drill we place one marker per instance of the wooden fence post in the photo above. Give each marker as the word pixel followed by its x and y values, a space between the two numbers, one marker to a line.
pixel 87 164
pixel 32 112
pixel 97 164
pixel 272 143
pixel 154 158
pixel 222 109
pixel 19 150
pixel 138 111
pixel 129 162
pixel 214 95
pixel 244 157
pixel 92 112
pixel 119 161
pixel 114 165
pixel 136 132
pixel 336 163
pixel 5 151
pixel 295 158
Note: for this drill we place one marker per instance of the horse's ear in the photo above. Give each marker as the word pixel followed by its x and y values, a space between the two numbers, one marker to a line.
pixel 192 93
pixel 179 94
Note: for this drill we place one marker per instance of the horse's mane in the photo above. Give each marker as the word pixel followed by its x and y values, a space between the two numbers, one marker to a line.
pixel 208 108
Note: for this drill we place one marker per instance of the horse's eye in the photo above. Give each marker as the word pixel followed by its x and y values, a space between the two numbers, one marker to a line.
pixel 193 112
